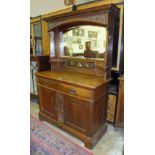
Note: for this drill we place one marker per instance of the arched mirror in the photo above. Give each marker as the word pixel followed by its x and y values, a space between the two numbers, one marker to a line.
pixel 84 41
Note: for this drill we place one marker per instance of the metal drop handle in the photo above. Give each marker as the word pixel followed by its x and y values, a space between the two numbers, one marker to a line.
pixel 72 91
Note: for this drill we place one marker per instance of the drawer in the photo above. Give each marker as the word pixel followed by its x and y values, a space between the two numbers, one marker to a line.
pixel 48 83
pixel 76 91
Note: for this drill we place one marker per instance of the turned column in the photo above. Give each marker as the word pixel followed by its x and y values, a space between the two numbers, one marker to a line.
pixel 56 50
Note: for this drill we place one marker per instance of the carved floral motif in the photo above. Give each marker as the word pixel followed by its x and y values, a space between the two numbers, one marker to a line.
pixel 60 107
pixel 96 18
pixel 87 65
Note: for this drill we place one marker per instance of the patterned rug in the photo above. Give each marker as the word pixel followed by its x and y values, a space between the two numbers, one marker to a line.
pixel 46 141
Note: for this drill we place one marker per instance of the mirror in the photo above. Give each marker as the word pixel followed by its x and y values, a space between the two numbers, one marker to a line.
pixel 85 41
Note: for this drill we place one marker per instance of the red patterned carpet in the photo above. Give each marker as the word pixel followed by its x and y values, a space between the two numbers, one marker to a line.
pixel 46 141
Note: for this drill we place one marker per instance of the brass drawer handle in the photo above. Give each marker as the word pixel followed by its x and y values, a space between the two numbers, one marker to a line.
pixel 72 91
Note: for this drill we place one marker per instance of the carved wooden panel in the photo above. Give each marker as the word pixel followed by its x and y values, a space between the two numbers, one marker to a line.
pixel 97 18
pixel 100 18
pixel 60 107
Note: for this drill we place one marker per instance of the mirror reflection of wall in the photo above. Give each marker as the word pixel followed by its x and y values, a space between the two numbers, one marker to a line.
pixel 77 39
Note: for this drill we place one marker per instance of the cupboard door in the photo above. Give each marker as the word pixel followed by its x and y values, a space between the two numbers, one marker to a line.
pixel 77 114
pixel 47 100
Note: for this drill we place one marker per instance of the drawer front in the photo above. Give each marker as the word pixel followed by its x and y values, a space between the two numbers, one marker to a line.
pixel 48 83
pixel 76 91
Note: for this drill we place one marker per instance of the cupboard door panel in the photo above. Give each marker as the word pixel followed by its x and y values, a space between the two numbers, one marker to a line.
pixel 77 114
pixel 47 100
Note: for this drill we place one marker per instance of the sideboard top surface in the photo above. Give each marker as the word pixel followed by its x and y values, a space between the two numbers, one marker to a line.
pixel 83 80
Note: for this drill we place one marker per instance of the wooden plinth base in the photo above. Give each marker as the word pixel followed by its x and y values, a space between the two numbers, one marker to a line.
pixel 89 141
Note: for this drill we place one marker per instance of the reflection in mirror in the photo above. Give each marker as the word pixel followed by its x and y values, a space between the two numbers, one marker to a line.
pixel 85 42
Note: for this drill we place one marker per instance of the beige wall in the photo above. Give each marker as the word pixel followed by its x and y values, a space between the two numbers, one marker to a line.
pixel 38 7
